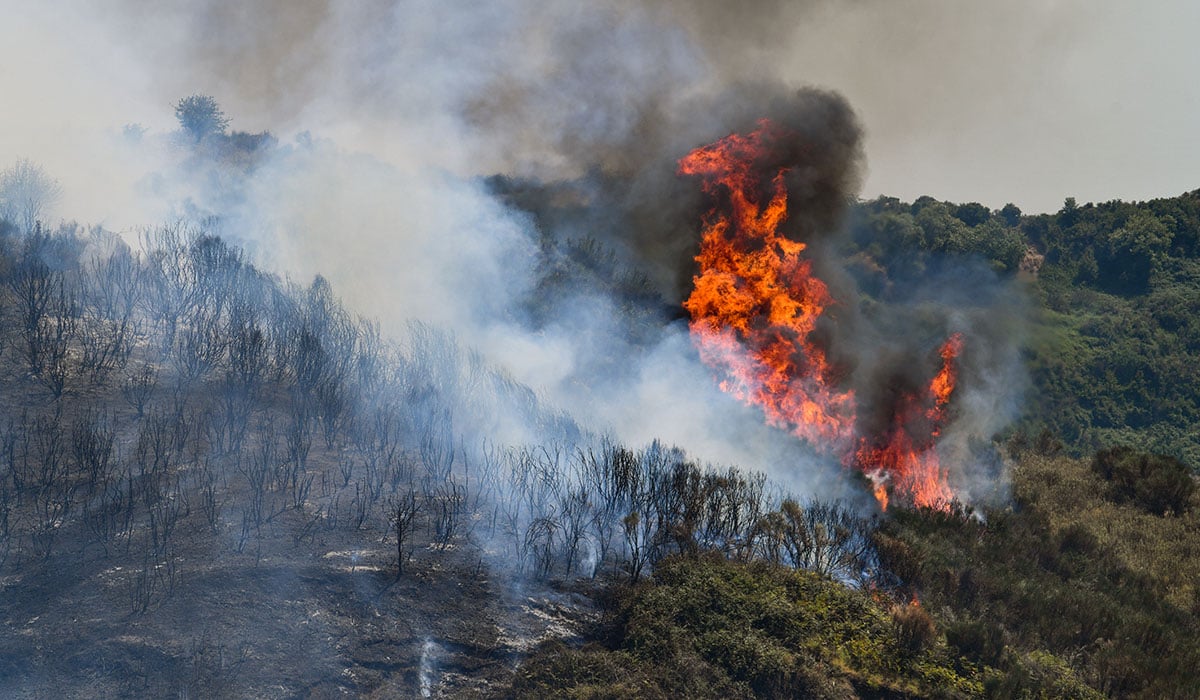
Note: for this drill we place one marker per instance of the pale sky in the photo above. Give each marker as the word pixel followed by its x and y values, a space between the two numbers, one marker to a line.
pixel 1028 102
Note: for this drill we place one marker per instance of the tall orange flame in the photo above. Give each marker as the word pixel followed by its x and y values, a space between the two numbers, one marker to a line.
pixel 756 302
pixel 754 306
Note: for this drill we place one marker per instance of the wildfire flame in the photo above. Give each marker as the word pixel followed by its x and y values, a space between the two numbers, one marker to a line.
pixel 754 306
pixel 904 455
pixel 756 302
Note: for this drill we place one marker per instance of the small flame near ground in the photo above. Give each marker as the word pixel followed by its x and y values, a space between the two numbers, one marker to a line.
pixel 754 307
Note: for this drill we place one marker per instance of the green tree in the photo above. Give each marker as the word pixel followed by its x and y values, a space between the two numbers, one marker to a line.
pixel 1011 214
pixel 972 213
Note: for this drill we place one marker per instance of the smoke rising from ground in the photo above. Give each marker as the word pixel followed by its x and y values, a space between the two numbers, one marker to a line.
pixel 410 104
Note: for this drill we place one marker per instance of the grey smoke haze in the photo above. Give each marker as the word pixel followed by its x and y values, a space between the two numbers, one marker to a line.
pixel 1024 101
pixel 967 102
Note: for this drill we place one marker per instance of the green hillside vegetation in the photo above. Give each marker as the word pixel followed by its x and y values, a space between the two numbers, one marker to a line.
pixel 1116 318
pixel 1076 566
pixel 711 628
pixel 1081 589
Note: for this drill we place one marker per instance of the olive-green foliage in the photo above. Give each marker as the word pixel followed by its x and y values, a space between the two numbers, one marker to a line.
pixel 1156 483
pixel 1077 568
pixel 705 627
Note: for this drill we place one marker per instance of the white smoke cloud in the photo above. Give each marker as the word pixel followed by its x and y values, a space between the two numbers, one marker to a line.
pixel 388 113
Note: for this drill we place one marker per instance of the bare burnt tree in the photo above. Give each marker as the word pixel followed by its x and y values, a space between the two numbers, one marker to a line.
pixel 371 362
pixel 34 285
pixel 309 358
pixel 14 438
pixel 105 345
pixel 610 473
pixel 110 289
pixel 376 436
pixel 360 506
pixel 92 448
pixel 54 491
pixel 404 508
pixel 171 286
pixel 436 449
pixel 575 515
pixel 139 387
pixel 211 488
pixel 27 193
pixel 345 469
pixel 636 529
pixel 111 284
pixel 446 504
pixel 281 314
pixel 199 346
pixel 6 506
pixel 218 269
pixel 163 515
pixel 333 402
pixel 257 469
pixel 56 332
pixel 103 512
pixel 540 542
pixel 297 481
pixel 826 538
pixel 245 369
pixel 153 452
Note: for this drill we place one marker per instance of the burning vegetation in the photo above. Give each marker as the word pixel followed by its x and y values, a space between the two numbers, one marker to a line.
pixel 755 313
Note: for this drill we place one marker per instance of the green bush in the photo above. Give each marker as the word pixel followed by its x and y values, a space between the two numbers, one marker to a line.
pixel 1156 483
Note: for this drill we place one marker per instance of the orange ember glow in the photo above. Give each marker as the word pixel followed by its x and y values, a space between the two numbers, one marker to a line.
pixel 754 307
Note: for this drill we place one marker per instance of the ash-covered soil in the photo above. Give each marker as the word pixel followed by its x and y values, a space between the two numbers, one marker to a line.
pixel 322 616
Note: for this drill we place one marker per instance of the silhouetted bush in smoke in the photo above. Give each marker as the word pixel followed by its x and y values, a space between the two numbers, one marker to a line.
pixel 200 117
pixel 26 195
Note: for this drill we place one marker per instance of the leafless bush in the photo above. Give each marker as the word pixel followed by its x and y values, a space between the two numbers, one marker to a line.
pixel 34 285
pixel 436 449
pixel 539 546
pixel 575 515
pixel 257 469
pixel 447 506
pixel 211 494
pixel 92 440
pixel 404 509
pixel 111 285
pixel 164 514
pixel 171 286
pixel 248 357
pixel 823 537
pixel 199 347
pixel 139 387
pixel 106 345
